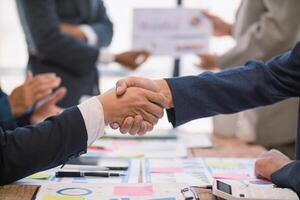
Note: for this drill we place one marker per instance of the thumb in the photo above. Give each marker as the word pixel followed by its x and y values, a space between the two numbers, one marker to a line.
pixel 144 83
pixel 121 87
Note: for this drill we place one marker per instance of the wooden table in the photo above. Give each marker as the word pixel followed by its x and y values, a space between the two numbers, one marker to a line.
pixel 221 148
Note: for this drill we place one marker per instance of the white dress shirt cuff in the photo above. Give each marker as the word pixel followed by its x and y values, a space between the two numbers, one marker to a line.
pixel 106 57
pixel 93 115
pixel 90 34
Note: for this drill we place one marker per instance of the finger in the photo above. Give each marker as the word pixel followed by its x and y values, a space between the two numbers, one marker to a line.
pixel 207 14
pixel 154 109
pixel 41 88
pixel 146 84
pixel 121 87
pixel 138 120
pixel 29 77
pixel 41 95
pixel 40 81
pixel 57 95
pixel 144 128
pixel 127 124
pixel 157 98
pixel 114 125
pixel 149 117
pixel 149 127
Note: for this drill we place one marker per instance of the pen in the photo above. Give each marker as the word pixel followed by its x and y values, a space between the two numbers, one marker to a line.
pixel 84 174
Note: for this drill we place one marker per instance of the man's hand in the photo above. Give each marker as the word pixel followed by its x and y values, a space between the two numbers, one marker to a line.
pixel 33 90
pixel 270 162
pixel 131 124
pixel 73 31
pixel 221 28
pixel 132 59
pixel 159 86
pixel 208 62
pixel 48 108
pixel 137 104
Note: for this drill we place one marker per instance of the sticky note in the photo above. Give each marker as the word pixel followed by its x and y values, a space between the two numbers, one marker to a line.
pixel 230 176
pixel 166 170
pixel 134 190
pixel 130 155
pixel 56 197
pixel 118 143
pixel 40 176
pixel 222 164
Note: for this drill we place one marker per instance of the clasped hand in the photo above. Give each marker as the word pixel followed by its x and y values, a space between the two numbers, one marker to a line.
pixel 136 104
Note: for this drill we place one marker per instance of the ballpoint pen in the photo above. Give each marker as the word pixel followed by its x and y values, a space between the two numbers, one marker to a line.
pixel 85 174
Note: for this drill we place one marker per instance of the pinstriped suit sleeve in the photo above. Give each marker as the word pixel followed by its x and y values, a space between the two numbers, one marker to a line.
pixel 30 149
pixel 233 90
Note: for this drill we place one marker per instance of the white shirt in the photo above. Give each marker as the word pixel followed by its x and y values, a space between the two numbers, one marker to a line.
pixel 105 57
pixel 93 116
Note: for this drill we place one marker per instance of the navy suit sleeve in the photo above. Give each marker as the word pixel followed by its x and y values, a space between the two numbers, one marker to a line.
pixel 285 177
pixel 233 90
pixel 103 27
pixel 30 149
pixel 5 111
pixel 41 25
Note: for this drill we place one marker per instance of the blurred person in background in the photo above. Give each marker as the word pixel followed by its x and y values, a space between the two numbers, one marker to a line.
pixel 32 102
pixel 66 37
pixel 262 29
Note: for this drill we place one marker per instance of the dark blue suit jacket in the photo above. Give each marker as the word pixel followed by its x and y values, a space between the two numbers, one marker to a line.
pixel 5 113
pixel 255 84
pixel 30 149
pixel 7 120
pixel 50 50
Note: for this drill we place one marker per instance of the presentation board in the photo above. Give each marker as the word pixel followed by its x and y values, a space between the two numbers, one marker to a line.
pixel 174 31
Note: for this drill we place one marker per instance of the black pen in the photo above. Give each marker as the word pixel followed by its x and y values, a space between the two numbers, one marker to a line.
pixel 84 174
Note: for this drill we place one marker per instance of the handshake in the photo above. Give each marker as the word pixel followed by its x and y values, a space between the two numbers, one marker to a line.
pixel 136 104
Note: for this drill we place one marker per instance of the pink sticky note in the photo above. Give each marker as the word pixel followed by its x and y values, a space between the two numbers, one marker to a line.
pixel 134 190
pixel 230 176
pixel 166 170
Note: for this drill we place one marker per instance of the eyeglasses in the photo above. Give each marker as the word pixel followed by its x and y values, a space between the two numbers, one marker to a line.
pixel 189 194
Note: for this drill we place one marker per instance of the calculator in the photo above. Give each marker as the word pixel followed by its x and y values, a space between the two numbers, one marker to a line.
pixel 238 190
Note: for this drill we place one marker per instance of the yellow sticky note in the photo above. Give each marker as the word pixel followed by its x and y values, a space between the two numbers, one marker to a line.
pixel 130 155
pixel 222 164
pixel 55 197
pixel 40 176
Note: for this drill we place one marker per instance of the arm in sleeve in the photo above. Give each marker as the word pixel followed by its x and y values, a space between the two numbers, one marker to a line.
pixel 233 90
pixel 5 111
pixel 269 36
pixel 30 149
pixel 287 177
pixel 103 26
pixel 41 25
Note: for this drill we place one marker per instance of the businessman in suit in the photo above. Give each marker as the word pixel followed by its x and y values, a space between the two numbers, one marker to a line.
pixel 30 149
pixel 262 29
pixel 65 37
pixel 226 92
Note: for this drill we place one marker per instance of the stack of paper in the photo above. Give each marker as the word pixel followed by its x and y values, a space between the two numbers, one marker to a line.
pixel 111 192
pixel 190 171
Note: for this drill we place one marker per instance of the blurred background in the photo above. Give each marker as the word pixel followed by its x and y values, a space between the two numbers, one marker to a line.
pixel 13 50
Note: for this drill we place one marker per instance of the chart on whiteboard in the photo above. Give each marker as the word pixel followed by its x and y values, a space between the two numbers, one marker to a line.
pixel 174 31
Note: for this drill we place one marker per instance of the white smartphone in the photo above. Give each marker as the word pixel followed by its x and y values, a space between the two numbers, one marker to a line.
pixel 237 190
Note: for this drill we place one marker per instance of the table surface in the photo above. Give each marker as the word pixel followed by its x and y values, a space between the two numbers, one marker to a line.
pixel 222 147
